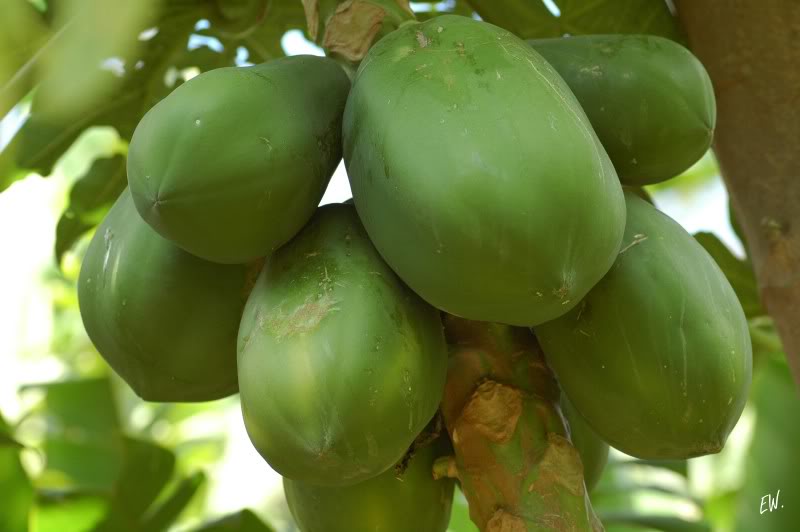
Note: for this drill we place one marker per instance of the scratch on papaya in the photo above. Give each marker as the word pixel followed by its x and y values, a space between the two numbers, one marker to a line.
pixel 302 319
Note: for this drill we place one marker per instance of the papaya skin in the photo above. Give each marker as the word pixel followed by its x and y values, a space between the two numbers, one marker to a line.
pixel 165 321
pixel 232 164
pixel 657 358
pixel 649 99
pixel 405 498
pixel 487 206
pixel 341 366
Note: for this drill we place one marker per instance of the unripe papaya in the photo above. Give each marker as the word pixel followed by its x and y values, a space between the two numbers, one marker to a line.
pixel 593 450
pixel 340 364
pixel 165 320
pixel 405 498
pixel 657 358
pixel 649 99
pixel 477 175
pixel 232 163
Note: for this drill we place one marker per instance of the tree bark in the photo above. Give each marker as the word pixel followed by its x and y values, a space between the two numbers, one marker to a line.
pixel 752 53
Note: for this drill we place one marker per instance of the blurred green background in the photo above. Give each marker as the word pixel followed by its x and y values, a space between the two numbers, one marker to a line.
pixel 79 451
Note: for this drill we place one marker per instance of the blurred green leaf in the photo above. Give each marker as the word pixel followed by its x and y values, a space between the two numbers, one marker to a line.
pixel 48 133
pixel 242 521
pixel 89 200
pixel 264 40
pixel 531 19
pixel 23 35
pixel 16 492
pixel 739 273
pixel 773 462
pixel 170 508
pixel 459 515
pixel 665 523
pixel 68 512
pixel 147 470
pixel 83 445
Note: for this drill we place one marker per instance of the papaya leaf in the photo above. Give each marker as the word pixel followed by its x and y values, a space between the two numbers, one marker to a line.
pixel 666 523
pixel 147 470
pixel 89 200
pixel 23 37
pixel 17 493
pixel 770 498
pixel 739 273
pixel 532 19
pixel 83 444
pixel 264 41
pixel 163 515
pixel 127 95
pixel 58 512
pixel 242 521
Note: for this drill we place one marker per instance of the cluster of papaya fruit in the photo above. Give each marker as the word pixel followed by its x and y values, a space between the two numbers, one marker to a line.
pixel 497 273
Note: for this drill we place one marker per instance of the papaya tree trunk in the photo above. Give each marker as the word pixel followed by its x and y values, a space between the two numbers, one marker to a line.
pixel 752 53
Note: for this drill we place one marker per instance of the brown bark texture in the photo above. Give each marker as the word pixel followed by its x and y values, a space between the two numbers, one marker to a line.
pixel 752 53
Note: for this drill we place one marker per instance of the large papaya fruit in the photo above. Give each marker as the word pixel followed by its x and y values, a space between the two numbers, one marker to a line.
pixel 340 364
pixel 477 175
pixel 657 358
pixel 405 498
pixel 593 450
pixel 233 163
pixel 166 321
pixel 649 99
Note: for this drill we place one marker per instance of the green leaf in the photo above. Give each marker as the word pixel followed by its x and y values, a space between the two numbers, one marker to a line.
pixel 773 462
pixel 666 523
pixel 264 41
pixel 170 509
pixel 738 272
pixel 48 133
pixel 531 19
pixel 147 470
pixel 459 515
pixel 60 513
pixel 83 444
pixel 23 35
pixel 16 492
pixel 242 521
pixel 89 200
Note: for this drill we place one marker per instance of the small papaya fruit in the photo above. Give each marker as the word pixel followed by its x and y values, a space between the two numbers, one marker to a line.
pixel 165 320
pixel 340 364
pixel 232 164
pixel 593 450
pixel 657 358
pixel 648 98
pixel 405 498
pixel 477 175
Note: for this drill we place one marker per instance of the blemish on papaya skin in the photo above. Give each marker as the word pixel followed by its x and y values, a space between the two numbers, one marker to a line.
pixel 302 319
pixel 494 410
pixel 422 39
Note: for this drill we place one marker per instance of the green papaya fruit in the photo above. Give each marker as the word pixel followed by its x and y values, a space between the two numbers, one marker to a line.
pixel 649 99
pixel 477 175
pixel 593 450
pixel 405 498
pixel 233 163
pixel 340 364
pixel 657 358
pixel 165 321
